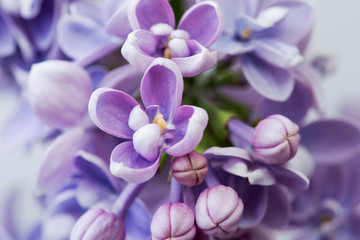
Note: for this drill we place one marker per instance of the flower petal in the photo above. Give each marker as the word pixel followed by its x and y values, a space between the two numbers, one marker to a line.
pixel 7 43
pixel 84 40
pixel 58 162
pixel 227 44
pixel 200 60
pixel 295 107
pixel 119 18
pixel 59 92
pixel 277 53
pixel 300 14
pixel 218 153
pixel 42 28
pixel 124 78
pixel 110 110
pixel 331 140
pixel 270 81
pixel 290 178
pixel 241 134
pixel 137 221
pixel 204 22
pixel 162 85
pixel 143 14
pixel 189 122
pixel 138 49
pixel 127 164
pixel 146 141
pixel 255 203
pixel 278 210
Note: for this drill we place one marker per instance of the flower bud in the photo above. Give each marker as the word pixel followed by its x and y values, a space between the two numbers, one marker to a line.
pixel 173 221
pixel 218 211
pixel 190 169
pixel 98 224
pixel 275 139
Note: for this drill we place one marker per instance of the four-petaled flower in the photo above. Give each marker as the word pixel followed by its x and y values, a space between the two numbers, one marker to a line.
pixel 163 126
pixel 155 36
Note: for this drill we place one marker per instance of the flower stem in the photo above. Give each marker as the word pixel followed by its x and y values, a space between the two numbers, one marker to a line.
pixel 175 192
pixel 210 178
pixel 125 199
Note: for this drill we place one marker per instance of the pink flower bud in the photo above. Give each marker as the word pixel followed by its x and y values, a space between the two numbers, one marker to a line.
pixel 173 221
pixel 98 224
pixel 218 211
pixel 276 139
pixel 190 169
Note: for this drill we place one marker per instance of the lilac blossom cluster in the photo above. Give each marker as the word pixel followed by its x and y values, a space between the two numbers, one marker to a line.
pixel 177 120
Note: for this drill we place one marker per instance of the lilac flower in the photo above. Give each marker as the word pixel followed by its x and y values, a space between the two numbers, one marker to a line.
pixel 264 36
pixel 163 126
pixel 98 224
pixel 154 35
pixel 173 221
pixel 218 211
pixel 330 207
pixel 190 169
pixel 82 35
pixel 275 139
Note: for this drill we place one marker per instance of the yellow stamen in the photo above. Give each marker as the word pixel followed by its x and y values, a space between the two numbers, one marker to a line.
pixel 246 34
pixel 167 53
pixel 159 120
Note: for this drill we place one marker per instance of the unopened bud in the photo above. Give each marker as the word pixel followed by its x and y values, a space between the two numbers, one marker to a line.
pixel 190 169
pixel 173 221
pixel 98 224
pixel 276 139
pixel 218 211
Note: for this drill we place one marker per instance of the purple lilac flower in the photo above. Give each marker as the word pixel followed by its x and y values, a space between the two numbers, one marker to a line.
pixel 98 224
pixel 218 211
pixel 163 126
pixel 173 221
pixel 154 35
pixel 329 208
pixel 190 169
pixel 263 36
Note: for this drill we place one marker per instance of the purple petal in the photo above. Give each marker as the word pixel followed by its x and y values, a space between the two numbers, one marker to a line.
pixel 162 85
pixel 89 192
pixel 146 141
pixel 300 15
pixel 138 49
pixel 217 153
pixel 331 140
pixel 227 44
pixel 241 134
pixel 295 107
pixel 58 162
pixel 255 203
pixel 189 122
pixel 7 43
pixel 256 175
pixel 31 8
pixel 270 81
pixel 84 40
pixel 289 177
pixel 127 164
pixel 278 210
pixel 119 18
pixel 59 92
pixel 204 22
pixel 110 110
pixel 277 53
pixel 137 222
pixel 138 118
pixel 143 14
pixel 200 60
pixel 125 78
pixel 42 28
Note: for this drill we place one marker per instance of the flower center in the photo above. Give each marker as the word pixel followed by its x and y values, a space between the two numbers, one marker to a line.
pixel 159 120
pixel 246 33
